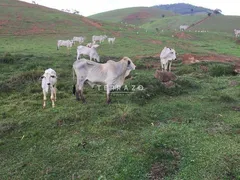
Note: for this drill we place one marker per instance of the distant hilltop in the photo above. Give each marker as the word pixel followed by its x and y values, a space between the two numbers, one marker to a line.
pixel 184 9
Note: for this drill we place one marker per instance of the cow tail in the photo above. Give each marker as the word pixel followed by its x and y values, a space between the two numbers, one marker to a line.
pixel 74 86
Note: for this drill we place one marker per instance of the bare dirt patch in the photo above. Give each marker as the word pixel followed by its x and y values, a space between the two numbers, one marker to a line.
pixel 160 170
pixel 155 41
pixel 191 58
pixel 92 23
pixel 183 35
pixel 137 15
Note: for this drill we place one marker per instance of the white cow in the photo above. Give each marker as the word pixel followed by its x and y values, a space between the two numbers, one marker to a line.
pixel 111 74
pixel 92 45
pixel 183 27
pixel 91 52
pixel 67 43
pixel 100 38
pixel 111 40
pixel 49 80
pixel 236 32
pixel 166 57
pixel 79 39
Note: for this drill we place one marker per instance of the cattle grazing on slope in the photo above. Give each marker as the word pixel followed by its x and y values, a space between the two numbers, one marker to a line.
pixel 111 40
pixel 91 52
pixel 49 80
pixel 111 74
pixel 166 57
pixel 66 43
pixel 100 38
pixel 79 39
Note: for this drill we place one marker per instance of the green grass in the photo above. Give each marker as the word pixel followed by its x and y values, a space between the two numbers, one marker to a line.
pixel 122 15
pixel 190 131
pixel 213 24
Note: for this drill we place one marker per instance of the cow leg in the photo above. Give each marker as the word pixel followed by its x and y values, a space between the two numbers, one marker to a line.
pixel 162 67
pixel 82 97
pixel 55 93
pixel 165 66
pixel 79 92
pixel 170 64
pixel 44 98
pixel 53 97
pixel 108 95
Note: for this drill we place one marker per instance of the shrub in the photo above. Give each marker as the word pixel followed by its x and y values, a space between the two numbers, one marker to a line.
pixel 227 99
pixel 221 70
pixel 17 82
pixel 7 58
pixel 186 69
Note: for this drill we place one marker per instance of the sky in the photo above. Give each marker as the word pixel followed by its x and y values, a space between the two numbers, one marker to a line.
pixel 90 7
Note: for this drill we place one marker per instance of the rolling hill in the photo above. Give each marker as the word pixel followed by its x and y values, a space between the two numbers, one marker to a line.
pixel 151 19
pixel 213 23
pixel 184 9
pixel 135 15
pixel 21 18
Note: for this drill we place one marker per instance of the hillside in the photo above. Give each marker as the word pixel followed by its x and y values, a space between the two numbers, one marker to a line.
pixel 213 23
pixel 184 9
pixel 151 129
pixel 21 18
pixel 134 15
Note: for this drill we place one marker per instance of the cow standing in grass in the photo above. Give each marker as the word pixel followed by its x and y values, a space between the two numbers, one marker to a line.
pixel 166 57
pixel 236 32
pixel 49 80
pixel 66 43
pixel 111 40
pixel 111 74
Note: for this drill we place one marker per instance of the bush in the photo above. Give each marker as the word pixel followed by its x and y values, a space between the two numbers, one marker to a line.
pixel 227 99
pixel 17 82
pixel 186 69
pixel 217 70
pixel 7 58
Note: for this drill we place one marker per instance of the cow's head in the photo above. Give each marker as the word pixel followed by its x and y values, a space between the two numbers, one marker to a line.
pixel 130 65
pixel 168 54
pixel 49 77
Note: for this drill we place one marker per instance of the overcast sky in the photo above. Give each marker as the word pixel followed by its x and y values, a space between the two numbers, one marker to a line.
pixel 90 7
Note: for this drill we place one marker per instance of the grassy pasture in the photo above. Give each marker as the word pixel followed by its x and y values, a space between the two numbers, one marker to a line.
pixel 190 131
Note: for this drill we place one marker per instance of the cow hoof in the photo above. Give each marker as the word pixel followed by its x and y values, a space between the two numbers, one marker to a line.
pixel 109 102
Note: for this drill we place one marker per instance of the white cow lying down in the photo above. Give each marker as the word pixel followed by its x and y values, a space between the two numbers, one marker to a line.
pixel 112 74
pixel 166 57
pixel 49 80
pixel 91 52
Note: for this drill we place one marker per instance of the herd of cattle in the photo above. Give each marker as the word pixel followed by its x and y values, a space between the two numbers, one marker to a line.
pixel 110 74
